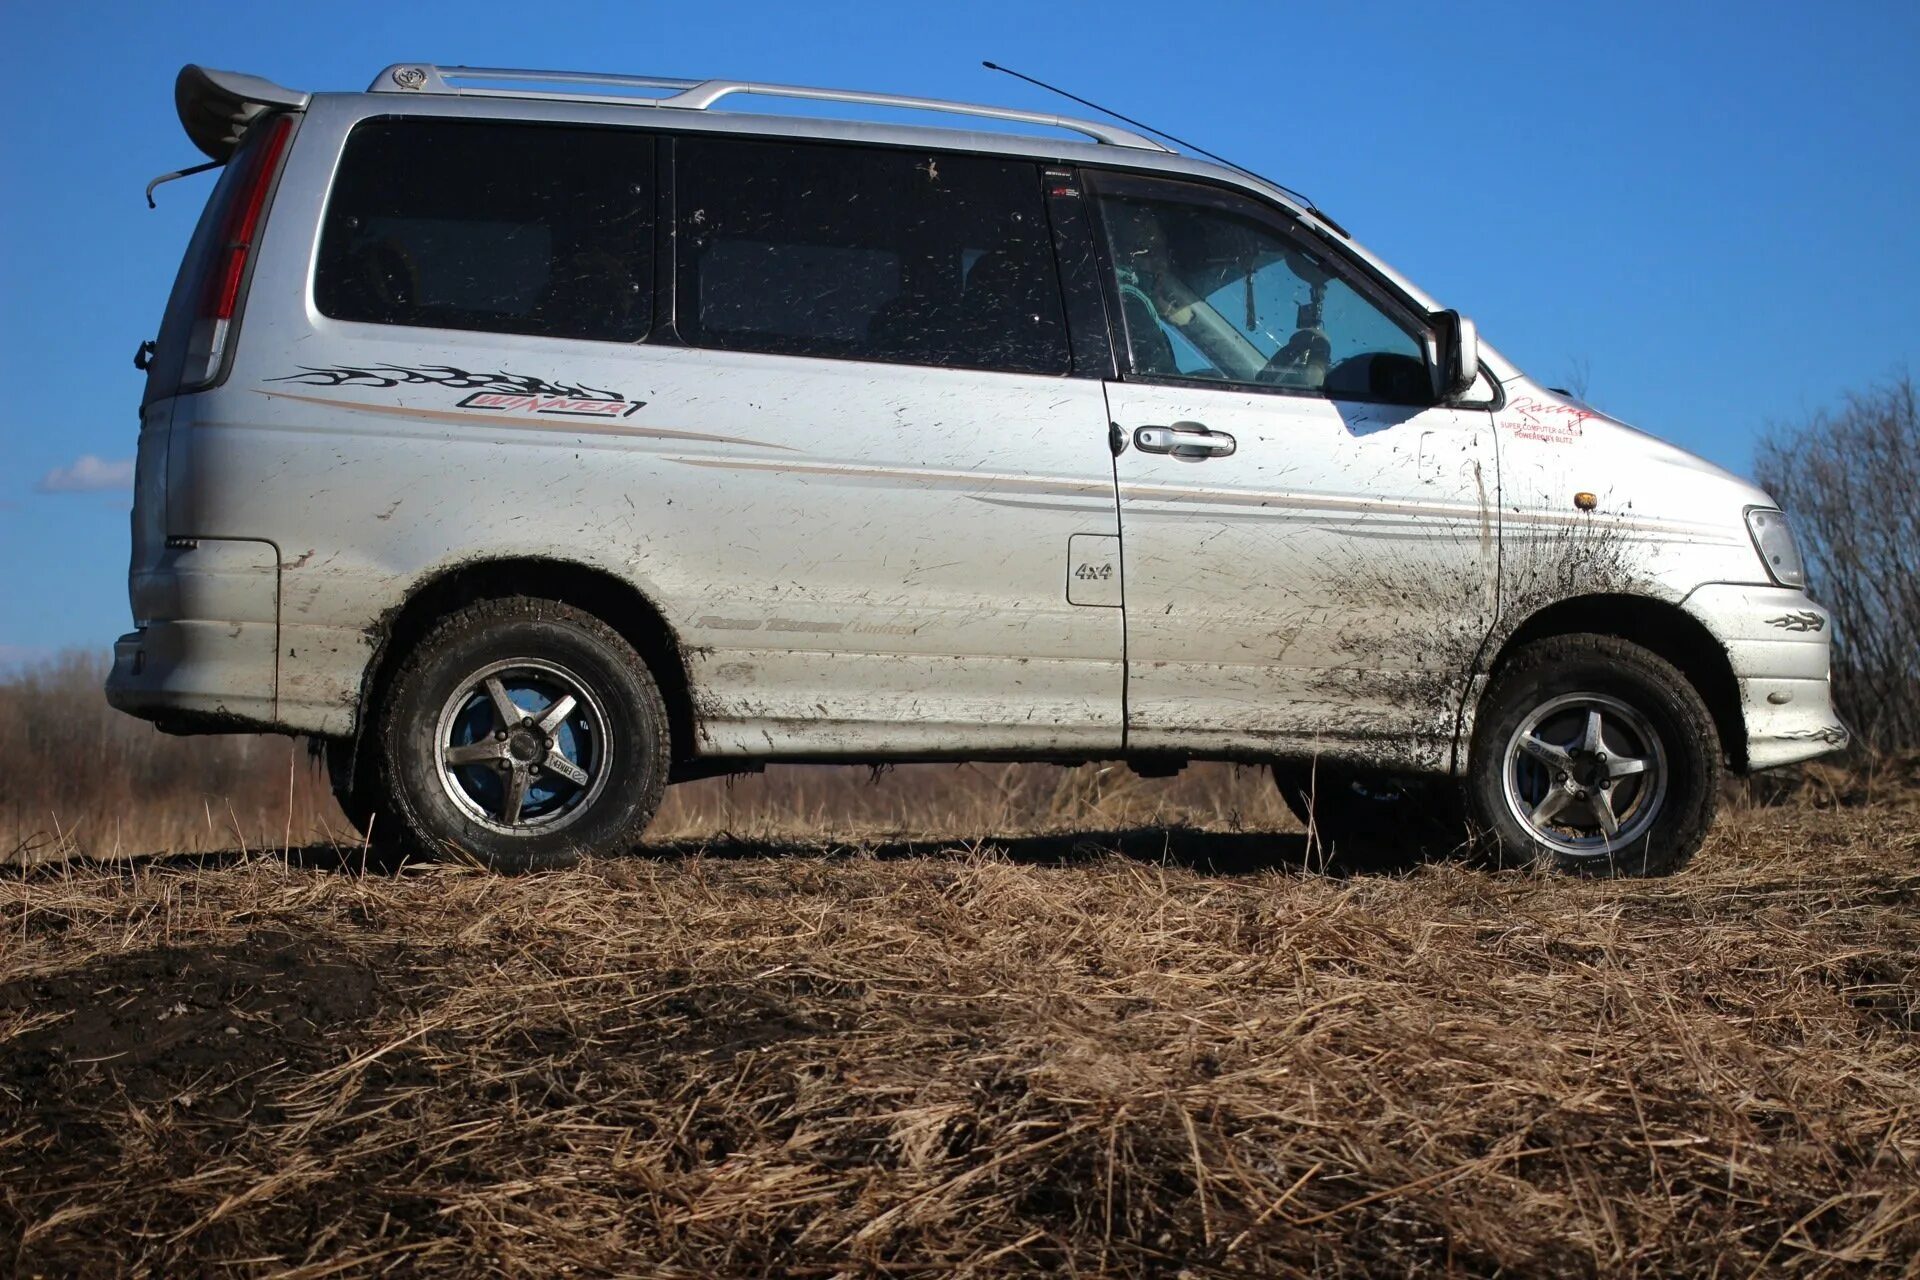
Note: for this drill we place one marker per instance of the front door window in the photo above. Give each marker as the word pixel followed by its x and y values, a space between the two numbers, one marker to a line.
pixel 1215 289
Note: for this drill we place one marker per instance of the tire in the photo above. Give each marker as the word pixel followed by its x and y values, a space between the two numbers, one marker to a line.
pixel 460 778
pixel 1578 732
pixel 1372 819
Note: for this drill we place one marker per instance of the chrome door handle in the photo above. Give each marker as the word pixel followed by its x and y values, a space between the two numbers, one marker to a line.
pixel 1184 440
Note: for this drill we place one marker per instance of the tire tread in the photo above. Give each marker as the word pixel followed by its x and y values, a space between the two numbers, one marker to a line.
pixel 469 624
pixel 1675 837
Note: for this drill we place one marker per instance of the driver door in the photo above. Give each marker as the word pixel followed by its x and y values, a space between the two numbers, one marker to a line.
pixel 1308 539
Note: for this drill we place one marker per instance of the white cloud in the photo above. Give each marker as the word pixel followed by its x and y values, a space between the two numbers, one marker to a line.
pixel 89 474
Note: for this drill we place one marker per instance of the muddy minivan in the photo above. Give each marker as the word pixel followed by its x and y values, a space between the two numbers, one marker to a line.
pixel 534 440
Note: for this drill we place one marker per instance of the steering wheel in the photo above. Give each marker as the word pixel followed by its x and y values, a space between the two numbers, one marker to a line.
pixel 1301 363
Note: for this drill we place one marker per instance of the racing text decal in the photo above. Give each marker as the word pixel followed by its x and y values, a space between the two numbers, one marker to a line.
pixel 1546 420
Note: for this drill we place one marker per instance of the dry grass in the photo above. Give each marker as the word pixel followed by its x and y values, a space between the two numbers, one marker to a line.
pixel 1139 1053
pixel 1138 1031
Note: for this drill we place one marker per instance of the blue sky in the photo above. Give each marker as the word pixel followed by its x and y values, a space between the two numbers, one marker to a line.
pixel 1709 209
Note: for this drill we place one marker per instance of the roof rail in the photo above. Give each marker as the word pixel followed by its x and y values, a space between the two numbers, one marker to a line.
pixel 699 95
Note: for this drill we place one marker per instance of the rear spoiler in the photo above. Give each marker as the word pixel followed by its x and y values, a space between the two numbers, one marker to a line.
pixel 217 106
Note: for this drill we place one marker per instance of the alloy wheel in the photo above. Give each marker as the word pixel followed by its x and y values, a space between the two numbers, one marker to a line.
pixel 1585 774
pixel 522 746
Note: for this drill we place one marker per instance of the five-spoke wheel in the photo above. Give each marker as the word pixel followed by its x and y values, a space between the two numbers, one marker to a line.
pixel 1585 772
pixel 1595 755
pixel 521 733
pixel 523 745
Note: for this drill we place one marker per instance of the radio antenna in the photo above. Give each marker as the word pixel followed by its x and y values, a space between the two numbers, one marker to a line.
pixel 1301 196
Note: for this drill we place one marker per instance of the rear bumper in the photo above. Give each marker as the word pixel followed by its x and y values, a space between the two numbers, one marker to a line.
pixel 207 661
pixel 1777 641
pixel 196 677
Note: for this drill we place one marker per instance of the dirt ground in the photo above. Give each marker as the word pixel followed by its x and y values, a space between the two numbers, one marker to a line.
pixel 1154 1052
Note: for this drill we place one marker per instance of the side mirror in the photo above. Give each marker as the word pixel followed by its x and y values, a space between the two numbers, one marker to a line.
pixel 1459 353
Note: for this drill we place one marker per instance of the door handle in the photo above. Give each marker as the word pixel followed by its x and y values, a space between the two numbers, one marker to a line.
pixel 1188 440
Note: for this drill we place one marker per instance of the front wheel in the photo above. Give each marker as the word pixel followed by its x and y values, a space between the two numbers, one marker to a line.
pixel 1595 756
pixel 522 733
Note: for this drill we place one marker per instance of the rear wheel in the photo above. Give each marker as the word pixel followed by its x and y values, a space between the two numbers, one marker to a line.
pixel 1594 756
pixel 522 733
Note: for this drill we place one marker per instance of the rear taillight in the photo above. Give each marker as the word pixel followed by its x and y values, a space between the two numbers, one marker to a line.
pixel 227 266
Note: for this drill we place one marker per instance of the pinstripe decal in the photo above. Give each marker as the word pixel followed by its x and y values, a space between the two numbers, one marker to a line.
pixel 921 477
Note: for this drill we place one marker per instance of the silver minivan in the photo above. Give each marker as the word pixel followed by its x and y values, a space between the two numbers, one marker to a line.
pixel 537 439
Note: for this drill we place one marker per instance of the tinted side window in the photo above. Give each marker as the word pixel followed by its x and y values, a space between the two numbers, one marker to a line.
pixel 512 228
pixel 866 254
pixel 1212 287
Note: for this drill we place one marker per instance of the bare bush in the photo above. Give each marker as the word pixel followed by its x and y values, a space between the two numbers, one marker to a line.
pixel 1851 481
pixel 79 775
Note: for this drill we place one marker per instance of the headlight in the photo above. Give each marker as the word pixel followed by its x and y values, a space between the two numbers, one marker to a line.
pixel 1773 539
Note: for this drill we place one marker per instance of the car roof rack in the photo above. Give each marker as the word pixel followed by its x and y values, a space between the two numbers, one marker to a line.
pixel 699 95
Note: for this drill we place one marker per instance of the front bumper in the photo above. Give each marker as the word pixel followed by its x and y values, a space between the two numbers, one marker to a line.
pixel 1778 642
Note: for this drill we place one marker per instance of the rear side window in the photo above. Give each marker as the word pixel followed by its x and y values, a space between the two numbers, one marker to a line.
pixel 866 254
pixel 510 228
